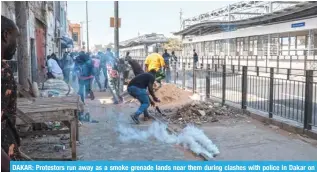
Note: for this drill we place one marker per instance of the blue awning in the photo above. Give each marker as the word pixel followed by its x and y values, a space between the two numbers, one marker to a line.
pixel 66 42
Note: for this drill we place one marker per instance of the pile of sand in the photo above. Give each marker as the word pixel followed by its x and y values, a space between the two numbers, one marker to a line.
pixel 170 94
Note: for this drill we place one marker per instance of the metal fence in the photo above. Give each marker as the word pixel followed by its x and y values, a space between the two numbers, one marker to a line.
pixel 249 87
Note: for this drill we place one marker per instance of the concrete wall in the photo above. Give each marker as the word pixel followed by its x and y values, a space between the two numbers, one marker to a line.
pixel 8 9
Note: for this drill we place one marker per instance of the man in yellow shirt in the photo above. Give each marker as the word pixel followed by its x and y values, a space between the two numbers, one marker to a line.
pixel 155 61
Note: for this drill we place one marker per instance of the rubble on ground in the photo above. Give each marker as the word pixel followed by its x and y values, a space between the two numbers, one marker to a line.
pixel 201 112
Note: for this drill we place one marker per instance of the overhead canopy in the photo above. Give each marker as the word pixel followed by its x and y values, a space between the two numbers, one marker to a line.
pixel 144 39
pixel 66 42
pixel 301 10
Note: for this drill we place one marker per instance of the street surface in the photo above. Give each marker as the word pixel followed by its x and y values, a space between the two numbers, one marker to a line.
pixel 243 139
pixel 100 141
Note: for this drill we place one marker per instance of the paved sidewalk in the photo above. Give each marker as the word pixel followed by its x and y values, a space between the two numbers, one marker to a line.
pixel 99 141
pixel 251 140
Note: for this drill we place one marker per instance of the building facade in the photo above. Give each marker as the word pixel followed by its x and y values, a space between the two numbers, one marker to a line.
pixel 75 30
pixel 45 23
pixel 284 37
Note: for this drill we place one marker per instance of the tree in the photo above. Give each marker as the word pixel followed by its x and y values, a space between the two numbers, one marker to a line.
pixel 173 44
pixel 24 61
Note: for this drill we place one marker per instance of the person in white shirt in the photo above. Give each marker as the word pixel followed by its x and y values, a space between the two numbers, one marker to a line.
pixel 54 69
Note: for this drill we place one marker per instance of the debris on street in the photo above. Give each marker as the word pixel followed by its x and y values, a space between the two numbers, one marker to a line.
pixel 201 112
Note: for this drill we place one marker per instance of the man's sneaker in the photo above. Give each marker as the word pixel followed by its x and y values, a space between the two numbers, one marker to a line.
pixel 92 96
pixel 135 119
pixel 146 118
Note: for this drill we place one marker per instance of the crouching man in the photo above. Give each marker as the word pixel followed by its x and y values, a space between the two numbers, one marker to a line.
pixel 137 89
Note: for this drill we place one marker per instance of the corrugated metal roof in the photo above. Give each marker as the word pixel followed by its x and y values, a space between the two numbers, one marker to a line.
pixel 144 39
pixel 300 10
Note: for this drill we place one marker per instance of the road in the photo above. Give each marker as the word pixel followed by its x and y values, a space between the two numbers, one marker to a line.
pixel 103 140
pixel 288 101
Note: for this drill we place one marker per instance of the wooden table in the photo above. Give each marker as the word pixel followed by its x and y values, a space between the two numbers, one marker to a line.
pixel 62 109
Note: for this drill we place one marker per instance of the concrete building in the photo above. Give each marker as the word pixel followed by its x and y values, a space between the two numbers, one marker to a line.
pixel 75 30
pixel 139 46
pixel 46 24
pixel 255 33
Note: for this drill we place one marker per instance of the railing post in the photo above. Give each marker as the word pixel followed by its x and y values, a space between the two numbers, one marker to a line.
pixel 216 68
pixel 184 74
pixel 212 61
pixel 308 112
pixel 232 68
pixel 194 80
pixel 208 82
pixel 257 71
pixel 223 85
pixel 244 87
pixel 271 94
pixel 288 73
pixel 175 71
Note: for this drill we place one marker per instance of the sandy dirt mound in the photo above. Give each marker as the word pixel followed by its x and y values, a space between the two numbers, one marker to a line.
pixel 171 95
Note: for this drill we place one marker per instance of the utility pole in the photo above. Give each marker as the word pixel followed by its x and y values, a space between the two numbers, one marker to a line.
pixel 24 61
pixel 180 19
pixel 87 26
pixel 116 28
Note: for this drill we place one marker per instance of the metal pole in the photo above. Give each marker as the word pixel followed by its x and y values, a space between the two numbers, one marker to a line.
pixel 87 26
pixel 116 29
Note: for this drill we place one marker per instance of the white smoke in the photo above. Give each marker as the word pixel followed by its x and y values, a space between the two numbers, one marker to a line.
pixel 190 137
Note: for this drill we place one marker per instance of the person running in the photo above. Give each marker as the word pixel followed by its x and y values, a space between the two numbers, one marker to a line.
pixel 155 61
pixel 96 63
pixel 67 62
pixel 112 74
pixel 85 74
pixel 104 59
pixel 137 89
pixel 135 66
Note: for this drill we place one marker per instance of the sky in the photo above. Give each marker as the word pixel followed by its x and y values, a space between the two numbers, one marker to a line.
pixel 142 17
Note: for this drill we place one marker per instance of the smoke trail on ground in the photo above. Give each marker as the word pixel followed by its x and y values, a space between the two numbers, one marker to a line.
pixel 190 137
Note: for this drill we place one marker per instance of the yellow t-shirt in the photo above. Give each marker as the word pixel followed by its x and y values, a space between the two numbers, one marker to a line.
pixel 154 61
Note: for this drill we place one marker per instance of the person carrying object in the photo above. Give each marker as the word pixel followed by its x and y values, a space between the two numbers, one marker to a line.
pixel 137 89
pixel 155 61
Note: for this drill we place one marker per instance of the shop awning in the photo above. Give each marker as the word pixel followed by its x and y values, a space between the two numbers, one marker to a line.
pixel 66 42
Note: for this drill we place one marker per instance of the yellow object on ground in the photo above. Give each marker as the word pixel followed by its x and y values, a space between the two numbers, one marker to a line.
pixel 154 61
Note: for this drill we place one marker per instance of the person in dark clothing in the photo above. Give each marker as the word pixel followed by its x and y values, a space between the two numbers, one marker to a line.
pixel 10 140
pixel 137 89
pixel 85 75
pixel 174 58
pixel 136 67
pixel 166 57
pixel 195 57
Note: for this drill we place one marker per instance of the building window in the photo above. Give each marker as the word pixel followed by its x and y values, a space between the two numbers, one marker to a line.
pixel 75 36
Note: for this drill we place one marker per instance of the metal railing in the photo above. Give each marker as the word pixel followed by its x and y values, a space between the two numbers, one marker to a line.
pixel 284 97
